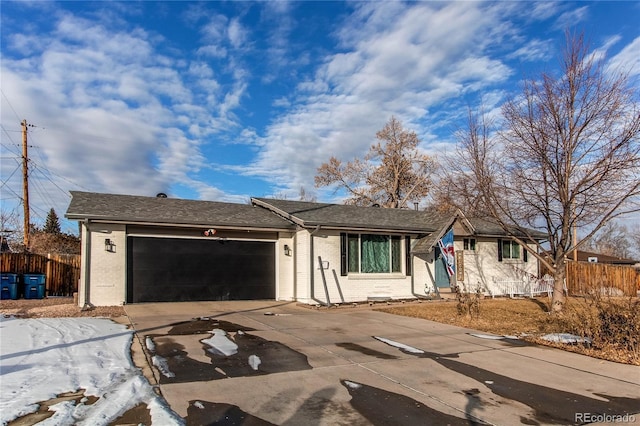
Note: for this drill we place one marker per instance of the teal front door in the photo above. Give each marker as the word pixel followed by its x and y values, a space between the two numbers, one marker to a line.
pixel 442 278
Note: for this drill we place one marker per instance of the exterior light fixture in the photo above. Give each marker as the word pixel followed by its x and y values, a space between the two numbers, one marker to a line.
pixel 287 250
pixel 109 245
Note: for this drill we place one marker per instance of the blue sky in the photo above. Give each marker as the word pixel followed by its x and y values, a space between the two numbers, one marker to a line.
pixel 227 100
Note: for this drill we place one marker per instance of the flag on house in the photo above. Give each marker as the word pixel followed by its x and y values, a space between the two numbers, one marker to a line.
pixel 446 247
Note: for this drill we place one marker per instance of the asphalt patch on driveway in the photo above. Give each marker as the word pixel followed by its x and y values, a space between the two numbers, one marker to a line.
pixel 238 354
pixel 548 404
pixel 365 351
pixel 205 413
pixel 384 408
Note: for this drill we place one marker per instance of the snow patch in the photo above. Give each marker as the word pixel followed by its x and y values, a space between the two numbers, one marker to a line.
pixel 254 361
pixel 220 344
pixel 565 338
pixel 487 336
pixel 398 345
pixel 150 345
pixel 82 353
pixel 352 385
pixel 162 365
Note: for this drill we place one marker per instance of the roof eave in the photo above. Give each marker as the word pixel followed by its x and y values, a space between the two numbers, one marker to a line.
pixel 231 226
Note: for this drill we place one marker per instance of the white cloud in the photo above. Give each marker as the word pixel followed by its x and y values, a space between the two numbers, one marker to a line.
pixel 628 59
pixel 215 30
pixel 544 9
pixel 571 18
pixel 534 50
pixel 395 60
pixel 212 51
pixel 237 33
pixel 118 116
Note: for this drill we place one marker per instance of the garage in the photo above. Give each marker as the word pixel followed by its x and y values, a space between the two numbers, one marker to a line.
pixel 182 269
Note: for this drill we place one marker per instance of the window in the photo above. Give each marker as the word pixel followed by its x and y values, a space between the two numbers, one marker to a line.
pixel 469 244
pixel 372 253
pixel 510 250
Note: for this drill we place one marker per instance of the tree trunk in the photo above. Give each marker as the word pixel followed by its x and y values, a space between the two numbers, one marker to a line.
pixel 558 298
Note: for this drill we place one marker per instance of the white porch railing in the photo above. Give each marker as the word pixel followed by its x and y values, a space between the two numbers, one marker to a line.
pixel 525 287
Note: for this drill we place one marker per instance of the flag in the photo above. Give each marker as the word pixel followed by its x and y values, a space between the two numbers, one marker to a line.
pixel 446 247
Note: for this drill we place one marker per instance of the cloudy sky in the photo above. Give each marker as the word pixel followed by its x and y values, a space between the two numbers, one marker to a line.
pixel 225 100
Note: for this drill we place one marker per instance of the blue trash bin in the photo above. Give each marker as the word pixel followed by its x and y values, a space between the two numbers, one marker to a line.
pixel 10 285
pixel 34 286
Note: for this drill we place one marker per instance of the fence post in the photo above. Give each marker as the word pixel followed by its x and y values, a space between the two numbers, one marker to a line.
pixel 48 276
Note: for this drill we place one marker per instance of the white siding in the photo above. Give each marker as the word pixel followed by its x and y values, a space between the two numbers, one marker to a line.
pixel 482 268
pixel 423 275
pixel 285 289
pixel 350 288
pixel 107 269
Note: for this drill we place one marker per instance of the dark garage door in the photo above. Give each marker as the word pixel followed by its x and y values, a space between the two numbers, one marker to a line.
pixel 173 269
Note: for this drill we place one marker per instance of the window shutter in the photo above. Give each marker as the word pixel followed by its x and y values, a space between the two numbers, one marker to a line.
pixel 499 250
pixel 343 254
pixel 525 255
pixel 407 250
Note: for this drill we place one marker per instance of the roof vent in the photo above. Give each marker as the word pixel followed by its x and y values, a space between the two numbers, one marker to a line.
pixel 161 195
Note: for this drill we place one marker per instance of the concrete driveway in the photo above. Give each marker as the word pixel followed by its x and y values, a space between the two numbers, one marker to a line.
pixel 270 362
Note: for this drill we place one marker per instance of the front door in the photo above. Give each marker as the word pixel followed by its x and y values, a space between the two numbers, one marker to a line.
pixel 442 277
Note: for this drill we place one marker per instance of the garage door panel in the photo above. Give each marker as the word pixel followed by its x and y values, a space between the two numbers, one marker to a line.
pixel 167 269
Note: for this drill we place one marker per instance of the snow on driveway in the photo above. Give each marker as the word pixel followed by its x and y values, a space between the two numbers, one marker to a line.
pixel 43 358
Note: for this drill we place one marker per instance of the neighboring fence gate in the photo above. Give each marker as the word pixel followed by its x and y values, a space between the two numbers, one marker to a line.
pixel 62 270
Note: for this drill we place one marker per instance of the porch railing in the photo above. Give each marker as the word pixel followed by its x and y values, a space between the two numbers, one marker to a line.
pixel 525 287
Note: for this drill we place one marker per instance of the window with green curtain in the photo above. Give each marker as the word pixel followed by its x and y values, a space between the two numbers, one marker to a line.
pixel 374 255
pixel 371 253
pixel 353 247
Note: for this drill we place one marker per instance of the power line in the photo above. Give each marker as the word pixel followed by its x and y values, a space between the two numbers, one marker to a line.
pixel 10 176
pixel 10 106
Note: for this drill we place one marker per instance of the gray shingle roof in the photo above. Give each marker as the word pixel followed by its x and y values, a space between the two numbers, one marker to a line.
pixel 131 208
pixel 310 214
pixel 265 214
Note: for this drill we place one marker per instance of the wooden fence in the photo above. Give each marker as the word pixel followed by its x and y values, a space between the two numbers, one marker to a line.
pixel 615 280
pixel 62 271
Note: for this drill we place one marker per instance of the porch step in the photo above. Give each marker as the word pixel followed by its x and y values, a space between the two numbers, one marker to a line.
pixel 446 293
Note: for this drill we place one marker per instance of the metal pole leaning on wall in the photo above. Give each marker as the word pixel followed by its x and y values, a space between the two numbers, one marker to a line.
pixel 324 280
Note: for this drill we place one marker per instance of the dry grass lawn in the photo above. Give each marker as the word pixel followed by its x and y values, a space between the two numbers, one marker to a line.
pixel 529 319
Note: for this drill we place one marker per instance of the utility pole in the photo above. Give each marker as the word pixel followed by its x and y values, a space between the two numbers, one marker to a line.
pixel 25 184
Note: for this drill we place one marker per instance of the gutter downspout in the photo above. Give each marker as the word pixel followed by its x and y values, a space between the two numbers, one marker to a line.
pixel 311 274
pixel 87 266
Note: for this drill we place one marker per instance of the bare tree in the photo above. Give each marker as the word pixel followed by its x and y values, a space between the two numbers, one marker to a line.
pixel 634 237
pixel 479 151
pixel 11 230
pixel 610 240
pixel 567 158
pixel 394 173
pixel 303 195
pixel 43 242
